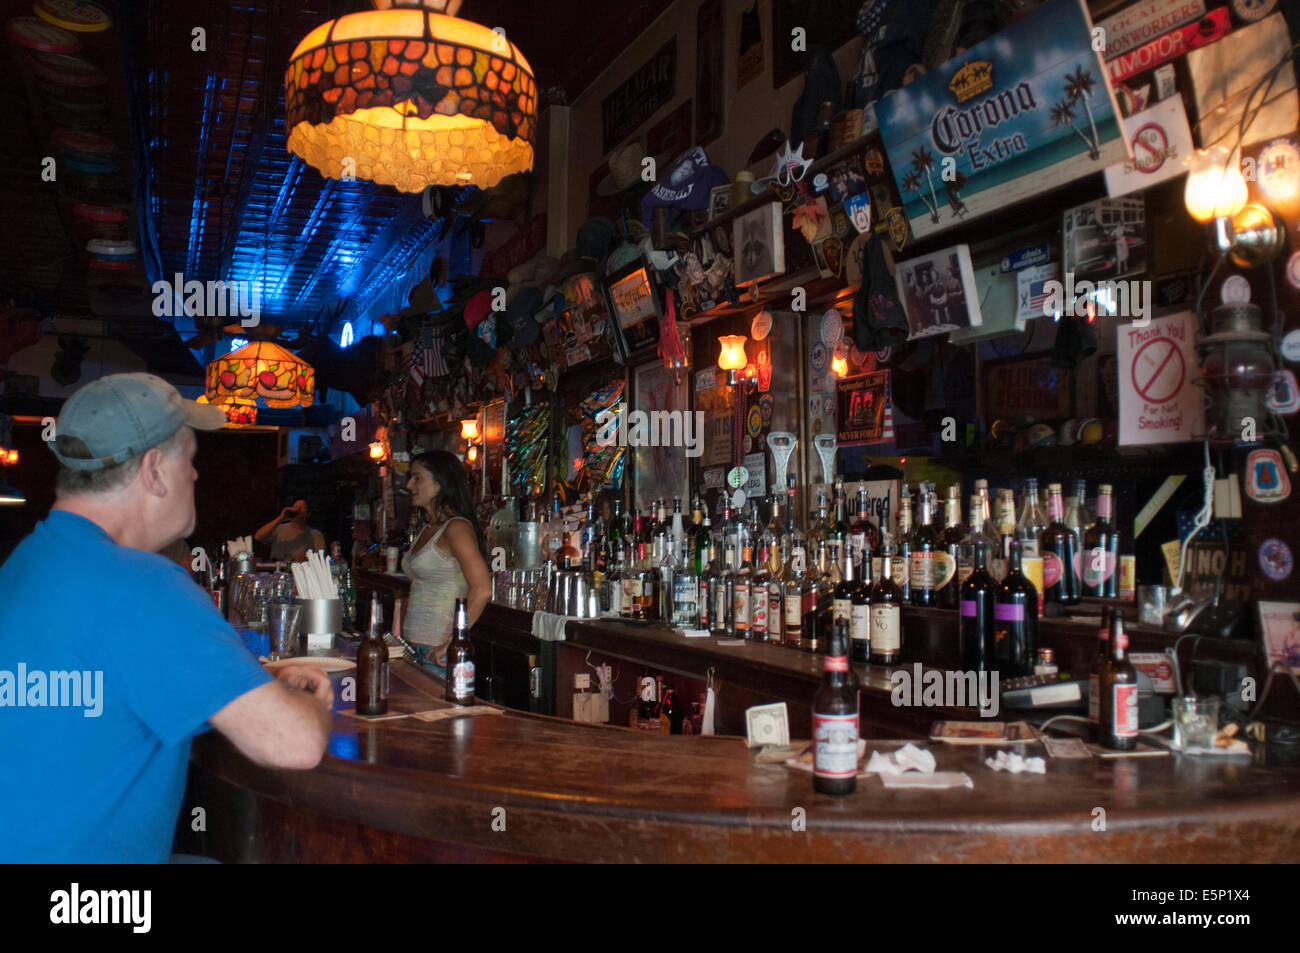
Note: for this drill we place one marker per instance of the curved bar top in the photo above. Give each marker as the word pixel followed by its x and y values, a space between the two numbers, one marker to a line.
pixel 511 786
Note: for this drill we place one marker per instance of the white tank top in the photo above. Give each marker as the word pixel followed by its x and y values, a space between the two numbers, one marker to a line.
pixel 436 583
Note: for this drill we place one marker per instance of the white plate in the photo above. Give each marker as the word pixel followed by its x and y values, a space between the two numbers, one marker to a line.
pixel 323 662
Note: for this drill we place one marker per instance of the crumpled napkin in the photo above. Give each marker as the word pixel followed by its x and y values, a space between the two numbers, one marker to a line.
pixel 913 767
pixel 1016 763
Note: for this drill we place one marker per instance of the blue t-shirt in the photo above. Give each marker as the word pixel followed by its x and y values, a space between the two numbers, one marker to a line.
pixel 139 659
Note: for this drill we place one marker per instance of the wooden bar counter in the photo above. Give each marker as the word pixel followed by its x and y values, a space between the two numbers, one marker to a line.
pixel 516 786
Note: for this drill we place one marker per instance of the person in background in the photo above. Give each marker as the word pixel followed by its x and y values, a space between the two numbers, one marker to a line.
pixel 448 560
pixel 290 535
pixel 134 658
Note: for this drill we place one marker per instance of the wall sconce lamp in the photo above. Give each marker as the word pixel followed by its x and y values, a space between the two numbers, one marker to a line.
pixel 469 429
pixel 840 361
pixel 377 451
pixel 1215 192
pixel 732 356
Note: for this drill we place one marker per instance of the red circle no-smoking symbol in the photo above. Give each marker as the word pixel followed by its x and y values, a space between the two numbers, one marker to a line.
pixel 1158 371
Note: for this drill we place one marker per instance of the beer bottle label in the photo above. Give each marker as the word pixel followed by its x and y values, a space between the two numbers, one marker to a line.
pixel 1124 711
pixel 462 679
pixel 860 623
pixel 835 745
pixel 886 629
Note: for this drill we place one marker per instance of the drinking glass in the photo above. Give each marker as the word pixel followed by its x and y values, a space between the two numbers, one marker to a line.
pixel 1196 722
pixel 285 618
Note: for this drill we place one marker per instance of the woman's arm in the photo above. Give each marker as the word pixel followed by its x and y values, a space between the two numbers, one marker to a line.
pixel 463 544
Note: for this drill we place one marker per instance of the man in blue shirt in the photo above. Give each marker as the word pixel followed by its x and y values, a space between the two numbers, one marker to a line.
pixel 111 658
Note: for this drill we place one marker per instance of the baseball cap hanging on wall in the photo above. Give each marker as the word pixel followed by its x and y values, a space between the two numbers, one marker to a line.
pixel 686 186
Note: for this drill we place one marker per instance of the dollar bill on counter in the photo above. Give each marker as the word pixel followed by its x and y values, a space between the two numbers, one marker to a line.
pixel 767 725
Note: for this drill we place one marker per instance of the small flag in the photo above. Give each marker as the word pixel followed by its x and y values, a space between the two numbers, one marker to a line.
pixel 434 364
pixel 888 431
pixel 417 360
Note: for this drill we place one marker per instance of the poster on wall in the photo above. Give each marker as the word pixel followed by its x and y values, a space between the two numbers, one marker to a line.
pixel 663 468
pixel 639 96
pixel 749 64
pixel 710 34
pixel 1105 239
pixel 938 292
pixel 860 408
pixel 1158 400
pixel 713 397
pixel 1028 386
pixel 1018 114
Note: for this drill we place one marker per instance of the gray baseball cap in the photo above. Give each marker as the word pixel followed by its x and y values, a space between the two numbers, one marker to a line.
pixel 123 415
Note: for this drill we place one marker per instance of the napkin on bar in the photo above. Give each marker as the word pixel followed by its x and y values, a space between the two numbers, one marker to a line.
pixel 913 767
pixel 549 627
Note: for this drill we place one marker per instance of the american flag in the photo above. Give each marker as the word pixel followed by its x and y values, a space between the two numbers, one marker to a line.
pixel 426 357
pixel 419 360
pixel 1034 294
pixel 887 434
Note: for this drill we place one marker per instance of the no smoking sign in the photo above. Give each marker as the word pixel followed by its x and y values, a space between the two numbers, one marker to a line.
pixel 1159 371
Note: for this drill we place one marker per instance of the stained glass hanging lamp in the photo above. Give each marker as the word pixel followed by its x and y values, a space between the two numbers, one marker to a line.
pixel 409 95
pixel 261 371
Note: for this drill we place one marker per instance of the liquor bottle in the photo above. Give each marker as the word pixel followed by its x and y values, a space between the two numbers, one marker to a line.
pixel 703 536
pixel 342 574
pixel 835 722
pixel 770 541
pixel 1015 621
pixel 1030 526
pixel 710 586
pixel 685 598
pixel 611 599
pixel 857 592
pixel 1101 550
pixel 839 535
pixel 460 660
pixel 1076 510
pixel 553 533
pixel 631 578
pixel 588 541
pixel 842 598
pixel 863 535
pixel 792 588
pixel 976 615
pixel 372 665
pixel 1059 546
pixel 759 610
pixel 569 554
pixel 743 590
pixel 886 628
pixel 1003 530
pixel 796 547
pixel 680 545
pixel 921 570
pixel 1119 693
pixel 978 521
pixel 821 523
pixel 776 599
pixel 651 577
pixel 1099 663
pixel 528 550
pixel 617 531
pixel 903 545
pixel 724 600
pixel 948 581
pixel 816 632
pixel 666 561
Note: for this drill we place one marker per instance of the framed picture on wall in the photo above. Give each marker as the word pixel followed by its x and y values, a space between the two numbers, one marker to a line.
pixel 661 405
pixel 1279 629
pixel 633 297
pixel 719 200
pixel 760 244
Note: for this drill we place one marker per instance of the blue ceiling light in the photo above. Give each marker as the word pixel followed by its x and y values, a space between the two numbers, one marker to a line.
pixel 345 339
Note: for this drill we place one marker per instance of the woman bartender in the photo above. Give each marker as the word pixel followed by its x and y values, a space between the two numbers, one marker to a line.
pixel 448 560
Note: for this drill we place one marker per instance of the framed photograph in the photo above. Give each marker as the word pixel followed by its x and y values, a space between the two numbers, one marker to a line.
pixel 661 471
pixel 719 200
pixel 632 294
pixel 1105 239
pixel 938 292
pixel 1279 630
pixel 759 244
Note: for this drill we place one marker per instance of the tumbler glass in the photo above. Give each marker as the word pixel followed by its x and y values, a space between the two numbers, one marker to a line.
pixel 285 618
pixel 1196 722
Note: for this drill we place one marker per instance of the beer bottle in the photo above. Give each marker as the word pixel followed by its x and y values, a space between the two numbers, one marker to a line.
pixel 1099 663
pixel 1119 694
pixel 835 721
pixel 460 660
pixel 372 665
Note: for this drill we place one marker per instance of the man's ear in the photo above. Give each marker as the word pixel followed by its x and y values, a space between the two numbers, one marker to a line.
pixel 151 472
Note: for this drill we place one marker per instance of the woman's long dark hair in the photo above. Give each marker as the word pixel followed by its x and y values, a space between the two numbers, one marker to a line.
pixel 453 488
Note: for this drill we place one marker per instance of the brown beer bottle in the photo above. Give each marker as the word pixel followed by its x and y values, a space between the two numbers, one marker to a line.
pixel 460 660
pixel 1119 694
pixel 835 720
pixel 1099 663
pixel 372 665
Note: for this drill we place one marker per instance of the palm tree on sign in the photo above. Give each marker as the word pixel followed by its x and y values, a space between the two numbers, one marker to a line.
pixel 912 183
pixel 923 161
pixel 1063 115
pixel 1078 87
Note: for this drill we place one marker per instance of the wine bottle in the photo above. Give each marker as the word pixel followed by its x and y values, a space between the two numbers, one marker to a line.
pixel 921 570
pixel 1015 620
pixel 976 614
pixel 1029 528
pixel 948 580
pixel 886 627
pixel 1059 546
